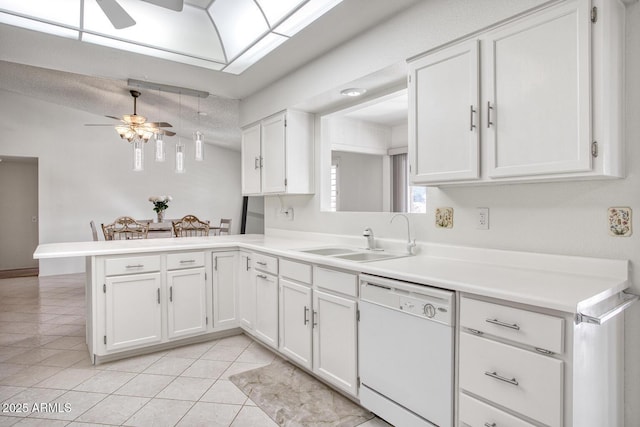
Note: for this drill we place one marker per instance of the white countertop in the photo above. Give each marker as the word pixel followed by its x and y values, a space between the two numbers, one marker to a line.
pixel 568 284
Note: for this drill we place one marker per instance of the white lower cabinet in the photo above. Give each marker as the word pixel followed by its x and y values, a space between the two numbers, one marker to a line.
pixel 246 293
pixel 474 413
pixel 133 311
pixel 335 340
pixel 295 322
pixel 225 297
pixel 266 321
pixel 186 308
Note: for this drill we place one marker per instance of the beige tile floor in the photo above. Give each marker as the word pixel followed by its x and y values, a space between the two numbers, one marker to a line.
pixel 44 360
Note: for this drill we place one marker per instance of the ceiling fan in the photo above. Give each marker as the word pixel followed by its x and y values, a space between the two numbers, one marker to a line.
pixel 121 19
pixel 135 127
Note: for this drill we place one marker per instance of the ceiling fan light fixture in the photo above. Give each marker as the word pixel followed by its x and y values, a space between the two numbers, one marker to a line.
pixel 180 157
pixel 138 156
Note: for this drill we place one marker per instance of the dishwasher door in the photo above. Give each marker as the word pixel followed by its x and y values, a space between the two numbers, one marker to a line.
pixel 408 360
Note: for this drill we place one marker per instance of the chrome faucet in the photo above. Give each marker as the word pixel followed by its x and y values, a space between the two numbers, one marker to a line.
pixel 371 243
pixel 410 243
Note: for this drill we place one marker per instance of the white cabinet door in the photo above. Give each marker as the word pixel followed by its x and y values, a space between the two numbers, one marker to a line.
pixel 187 308
pixel 335 340
pixel 266 322
pixel 538 88
pixel 274 154
pixel 251 160
pixel 133 311
pixel 246 293
pixel 295 322
pixel 225 300
pixel 444 116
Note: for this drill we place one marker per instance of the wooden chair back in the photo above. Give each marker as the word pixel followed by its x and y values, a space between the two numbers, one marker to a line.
pixel 190 226
pixel 125 228
pixel 225 226
pixel 94 231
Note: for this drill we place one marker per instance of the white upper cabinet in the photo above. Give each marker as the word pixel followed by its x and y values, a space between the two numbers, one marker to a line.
pixel 277 155
pixel 538 108
pixel 251 181
pixel 443 118
pixel 549 86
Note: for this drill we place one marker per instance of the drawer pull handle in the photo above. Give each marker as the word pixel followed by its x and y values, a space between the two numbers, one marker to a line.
pixel 262 276
pixel 495 375
pixel 135 266
pixel 490 425
pixel 542 350
pixel 475 331
pixel 186 261
pixel 261 263
pixel 505 324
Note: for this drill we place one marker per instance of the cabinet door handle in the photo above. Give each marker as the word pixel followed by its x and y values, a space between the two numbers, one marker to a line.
pixel 490 425
pixel 256 163
pixel 248 259
pixel 261 162
pixel 504 324
pixel 186 261
pixel 495 375
pixel 472 125
pixel 171 293
pixel 314 318
pixel 306 314
pixel 158 295
pixel 489 108
pixel 135 266
pixel 215 266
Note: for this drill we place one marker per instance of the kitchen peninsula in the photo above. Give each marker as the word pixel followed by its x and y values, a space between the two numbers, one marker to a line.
pixel 541 309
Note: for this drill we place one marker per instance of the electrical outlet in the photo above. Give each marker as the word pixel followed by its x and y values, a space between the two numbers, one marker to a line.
pixel 482 219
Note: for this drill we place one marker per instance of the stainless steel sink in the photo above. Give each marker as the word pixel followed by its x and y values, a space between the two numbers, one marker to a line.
pixel 368 256
pixel 329 251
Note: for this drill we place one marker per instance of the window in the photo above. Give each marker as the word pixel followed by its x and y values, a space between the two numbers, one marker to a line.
pixel 333 204
pixel 405 197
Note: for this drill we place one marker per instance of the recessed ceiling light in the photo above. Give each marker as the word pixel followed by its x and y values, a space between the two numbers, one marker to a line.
pixel 353 91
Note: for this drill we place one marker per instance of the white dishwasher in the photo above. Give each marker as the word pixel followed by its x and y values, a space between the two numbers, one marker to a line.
pixel 406 340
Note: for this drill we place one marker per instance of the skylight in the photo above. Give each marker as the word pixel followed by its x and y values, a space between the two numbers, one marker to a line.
pixel 224 35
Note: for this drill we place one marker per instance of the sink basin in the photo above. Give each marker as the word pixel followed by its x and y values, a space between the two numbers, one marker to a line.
pixel 367 256
pixel 328 251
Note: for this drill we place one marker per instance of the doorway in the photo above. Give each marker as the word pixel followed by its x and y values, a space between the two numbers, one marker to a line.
pixel 18 216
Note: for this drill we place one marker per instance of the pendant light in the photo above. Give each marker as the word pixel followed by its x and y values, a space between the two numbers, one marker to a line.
pixel 198 139
pixel 159 139
pixel 138 155
pixel 180 146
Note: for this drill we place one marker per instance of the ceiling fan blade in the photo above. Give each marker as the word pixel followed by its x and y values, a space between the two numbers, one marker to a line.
pixel 116 118
pixel 168 4
pixel 168 133
pixel 95 124
pixel 116 14
pixel 159 125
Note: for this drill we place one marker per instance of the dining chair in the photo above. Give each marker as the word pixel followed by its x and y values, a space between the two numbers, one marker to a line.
pixel 125 228
pixel 190 226
pixel 225 226
pixel 94 231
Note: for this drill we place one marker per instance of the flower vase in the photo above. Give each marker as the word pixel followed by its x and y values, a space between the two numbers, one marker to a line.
pixel 160 216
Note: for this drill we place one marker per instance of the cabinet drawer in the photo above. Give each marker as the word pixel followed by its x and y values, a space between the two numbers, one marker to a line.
pixel 522 326
pixel 131 265
pixel 337 281
pixel 185 260
pixel 474 413
pixel 521 380
pixel 295 270
pixel 265 263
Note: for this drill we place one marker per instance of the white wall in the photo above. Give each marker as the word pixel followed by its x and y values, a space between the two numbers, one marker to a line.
pixel 558 218
pixel 360 181
pixel 18 204
pixel 85 174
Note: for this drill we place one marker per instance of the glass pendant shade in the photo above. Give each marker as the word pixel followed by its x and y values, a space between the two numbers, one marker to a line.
pixel 180 157
pixel 138 156
pixel 198 138
pixel 160 149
